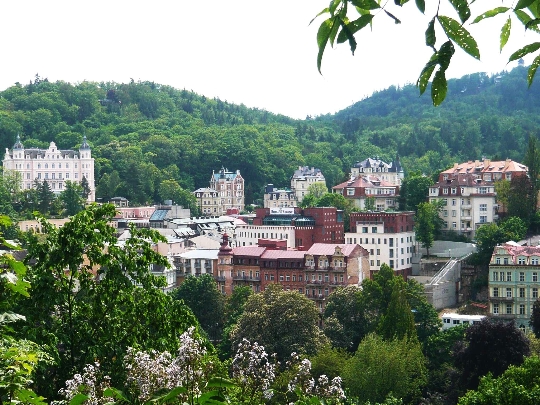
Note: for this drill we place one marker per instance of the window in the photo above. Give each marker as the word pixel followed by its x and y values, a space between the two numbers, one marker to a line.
pixel 522 292
pixel 535 277
pixel 445 190
pixel 522 309
pixel 483 207
pixel 364 229
pixel 483 219
pixel 498 260
pixel 508 309
pixel 505 261
pixel 453 201
pixel 454 190
pixel 453 213
pixel 495 276
pixel 508 292
pixel 445 213
pixel 508 276
pixel 495 308
pixel 521 260
pixel 350 191
pixel 521 276
pixel 534 261
pixel 495 292
pixel 373 229
pixel 535 292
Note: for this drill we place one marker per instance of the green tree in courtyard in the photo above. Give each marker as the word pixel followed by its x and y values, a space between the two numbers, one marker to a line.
pixel 317 189
pixel 201 295
pixel 45 196
pixel 381 368
pixel 72 197
pixel 398 320
pixel 426 223
pixel 85 186
pixel 282 321
pixel 520 199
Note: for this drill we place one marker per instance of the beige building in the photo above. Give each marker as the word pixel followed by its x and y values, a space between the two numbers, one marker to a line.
pixel 225 194
pixel 303 178
pixel 54 165
pixel 277 198
pixel 467 192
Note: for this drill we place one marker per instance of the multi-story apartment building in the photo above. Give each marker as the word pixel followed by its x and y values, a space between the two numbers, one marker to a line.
pixel 303 178
pixel 316 272
pixel 54 165
pixel 358 189
pixel 226 192
pixel 389 172
pixel 467 192
pixel 387 236
pixel 514 282
pixel 195 263
pixel 275 197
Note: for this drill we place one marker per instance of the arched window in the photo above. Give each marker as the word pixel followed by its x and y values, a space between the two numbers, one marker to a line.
pixel 52 166
pixel 46 165
pixel 39 165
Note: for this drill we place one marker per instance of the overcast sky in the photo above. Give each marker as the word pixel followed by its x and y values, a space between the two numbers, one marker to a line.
pixel 259 53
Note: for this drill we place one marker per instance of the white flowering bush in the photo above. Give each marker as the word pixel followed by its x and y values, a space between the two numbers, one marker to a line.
pixel 254 371
pixel 90 383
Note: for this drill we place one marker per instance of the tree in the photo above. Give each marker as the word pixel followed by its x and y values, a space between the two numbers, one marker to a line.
pixel 383 367
pixel 398 320
pixel 369 203
pixel 502 188
pixel 490 347
pixel 517 385
pixel 490 235
pixel 85 188
pixel 425 224
pixel 80 321
pixel 344 22
pixel 317 189
pixel 344 318
pixel 72 198
pixel 45 196
pixel 534 322
pixel 201 295
pixel 521 198
pixel 532 161
pixel 282 321
pixel 413 191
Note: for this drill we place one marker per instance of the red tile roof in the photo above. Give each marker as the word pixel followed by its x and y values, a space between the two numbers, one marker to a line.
pixel 255 251
pixel 283 254
pixel 330 248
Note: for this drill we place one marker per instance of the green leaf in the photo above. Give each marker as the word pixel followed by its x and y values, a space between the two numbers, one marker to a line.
pixel 78 399
pixel 430 33
pixel 170 395
pixel 527 49
pixel 457 33
pixel 523 4
pixel 426 73
pixel 421 5
pixel 354 27
pixel 445 54
pixel 532 23
pixel 505 32
pixel 326 10
pixel 462 8
pixel 392 16
pixel 220 382
pixel 438 88
pixel 323 35
pixel 366 4
pixel 336 23
pixel 490 13
pixel 525 19
pixel 212 397
pixel 346 33
pixel 333 6
pixel 532 70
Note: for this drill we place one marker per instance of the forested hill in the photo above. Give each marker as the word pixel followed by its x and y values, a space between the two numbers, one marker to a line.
pixel 142 133
pixel 482 116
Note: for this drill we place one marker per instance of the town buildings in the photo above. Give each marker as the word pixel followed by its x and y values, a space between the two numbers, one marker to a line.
pixel 303 178
pixel 387 236
pixel 513 282
pixel 275 197
pixel 369 192
pixel 388 172
pixel 56 166
pixel 467 192
pixel 301 228
pixel 226 193
pixel 316 272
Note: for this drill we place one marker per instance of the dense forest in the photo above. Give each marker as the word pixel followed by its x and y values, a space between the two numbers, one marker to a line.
pixel 143 133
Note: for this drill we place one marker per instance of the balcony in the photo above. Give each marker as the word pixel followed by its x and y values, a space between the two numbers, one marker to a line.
pixel 338 269
pixel 318 297
pixel 337 283
pixel 316 282
pixel 246 278
pixel 220 278
pixel 467 206
pixel 505 299
pixel 505 316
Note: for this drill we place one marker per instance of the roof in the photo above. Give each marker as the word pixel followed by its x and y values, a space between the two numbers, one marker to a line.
pixel 514 250
pixel 330 248
pixel 248 251
pixel 365 181
pixel 283 254
pixel 375 162
pixel 200 254
pixel 159 215
pixel 306 171
pixel 487 166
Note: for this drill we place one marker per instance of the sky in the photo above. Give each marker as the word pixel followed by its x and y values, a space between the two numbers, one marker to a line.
pixel 258 53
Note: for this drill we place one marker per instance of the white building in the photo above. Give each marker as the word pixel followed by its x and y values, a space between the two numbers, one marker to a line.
pixel 391 173
pixel 54 165
pixel 275 197
pixel 387 236
pixel 303 178
pixel 249 235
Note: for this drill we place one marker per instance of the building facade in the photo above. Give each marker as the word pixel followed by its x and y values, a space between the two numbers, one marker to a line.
pixel 226 193
pixel 391 173
pixel 467 192
pixel 514 282
pixel 56 166
pixel 275 197
pixel 383 194
pixel 387 236
pixel 303 178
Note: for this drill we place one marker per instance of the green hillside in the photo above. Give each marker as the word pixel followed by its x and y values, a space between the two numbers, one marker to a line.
pixel 143 133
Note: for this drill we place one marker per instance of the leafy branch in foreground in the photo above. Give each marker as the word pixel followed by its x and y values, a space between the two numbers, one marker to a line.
pixel 343 24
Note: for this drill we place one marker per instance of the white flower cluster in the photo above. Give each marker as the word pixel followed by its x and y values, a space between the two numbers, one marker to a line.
pixel 87 384
pixel 148 373
pixel 254 369
pixel 304 384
